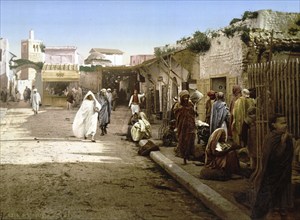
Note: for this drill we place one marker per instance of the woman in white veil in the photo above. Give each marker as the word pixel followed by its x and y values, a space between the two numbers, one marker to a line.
pixel 86 118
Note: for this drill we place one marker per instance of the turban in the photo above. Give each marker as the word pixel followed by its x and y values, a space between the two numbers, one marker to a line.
pixel 183 93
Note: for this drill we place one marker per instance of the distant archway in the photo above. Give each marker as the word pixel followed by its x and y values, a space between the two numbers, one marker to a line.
pixel 26 64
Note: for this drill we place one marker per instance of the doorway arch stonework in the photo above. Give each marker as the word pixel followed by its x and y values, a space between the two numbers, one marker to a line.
pixel 38 76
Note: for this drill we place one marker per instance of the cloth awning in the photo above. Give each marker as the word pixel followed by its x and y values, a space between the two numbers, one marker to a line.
pixel 60 72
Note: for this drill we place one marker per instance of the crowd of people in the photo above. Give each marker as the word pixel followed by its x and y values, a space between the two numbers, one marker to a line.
pixel 96 109
pixel 231 129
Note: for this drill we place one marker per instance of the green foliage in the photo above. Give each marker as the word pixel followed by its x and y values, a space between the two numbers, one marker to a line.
pixel 246 15
pixel 42 47
pixel 198 34
pixel 295 27
pixel 183 40
pixel 212 34
pixel 157 52
pixel 245 37
pixel 235 20
pixel 40 65
pixel 21 62
pixel 229 32
pixel 290 48
pixel 200 43
pixel 293 31
pixel 90 68
pixel 161 52
pixel 298 21
pixel 249 15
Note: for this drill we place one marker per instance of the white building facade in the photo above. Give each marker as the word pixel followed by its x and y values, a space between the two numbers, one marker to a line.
pixel 62 55
pixel 6 75
pixel 111 57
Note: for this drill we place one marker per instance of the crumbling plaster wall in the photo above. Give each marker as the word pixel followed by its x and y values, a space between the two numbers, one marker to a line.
pixel 230 56
pixel 224 58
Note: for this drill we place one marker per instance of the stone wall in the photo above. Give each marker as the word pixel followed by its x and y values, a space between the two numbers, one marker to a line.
pixel 91 81
pixel 274 20
pixel 226 59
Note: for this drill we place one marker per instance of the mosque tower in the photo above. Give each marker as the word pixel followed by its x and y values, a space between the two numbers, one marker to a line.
pixel 31 49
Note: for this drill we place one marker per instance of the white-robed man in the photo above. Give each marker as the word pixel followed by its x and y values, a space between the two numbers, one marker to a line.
pixel 86 119
pixel 35 101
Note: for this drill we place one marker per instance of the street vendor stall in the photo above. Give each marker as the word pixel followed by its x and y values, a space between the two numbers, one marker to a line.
pixel 57 79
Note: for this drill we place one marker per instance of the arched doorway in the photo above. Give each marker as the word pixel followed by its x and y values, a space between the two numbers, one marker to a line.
pixel 20 82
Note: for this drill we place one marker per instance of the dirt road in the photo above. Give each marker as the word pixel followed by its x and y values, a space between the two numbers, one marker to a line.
pixel 47 173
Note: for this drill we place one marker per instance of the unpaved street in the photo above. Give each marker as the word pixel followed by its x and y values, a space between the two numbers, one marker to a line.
pixel 46 173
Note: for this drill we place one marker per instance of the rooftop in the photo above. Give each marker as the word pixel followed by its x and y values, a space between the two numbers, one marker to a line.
pixel 61 48
pixel 106 51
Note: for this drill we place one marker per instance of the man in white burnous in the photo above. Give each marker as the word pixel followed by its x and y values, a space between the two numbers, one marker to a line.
pixel 35 101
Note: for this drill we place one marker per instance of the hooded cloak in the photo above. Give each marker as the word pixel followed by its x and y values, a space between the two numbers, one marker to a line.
pixel 86 118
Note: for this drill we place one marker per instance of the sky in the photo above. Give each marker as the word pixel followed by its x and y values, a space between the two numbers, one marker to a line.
pixel 132 26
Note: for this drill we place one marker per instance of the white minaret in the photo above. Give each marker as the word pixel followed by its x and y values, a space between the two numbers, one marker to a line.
pixel 31 35
pixel 30 50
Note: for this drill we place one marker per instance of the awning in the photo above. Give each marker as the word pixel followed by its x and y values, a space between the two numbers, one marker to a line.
pixel 60 73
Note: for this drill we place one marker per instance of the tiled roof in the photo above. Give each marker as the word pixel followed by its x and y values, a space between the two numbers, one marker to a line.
pixel 106 51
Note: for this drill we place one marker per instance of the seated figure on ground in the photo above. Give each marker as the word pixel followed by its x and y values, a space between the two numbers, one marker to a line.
pixel 132 120
pixel 221 159
pixel 169 136
pixel 141 129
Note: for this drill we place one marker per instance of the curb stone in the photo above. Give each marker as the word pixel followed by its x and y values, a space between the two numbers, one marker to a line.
pixel 213 200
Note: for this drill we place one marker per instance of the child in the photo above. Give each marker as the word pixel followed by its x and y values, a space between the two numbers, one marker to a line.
pixel 272 183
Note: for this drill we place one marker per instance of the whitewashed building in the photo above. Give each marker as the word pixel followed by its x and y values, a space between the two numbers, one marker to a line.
pixel 6 75
pixel 31 49
pixel 61 55
pixel 105 57
pixel 60 72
